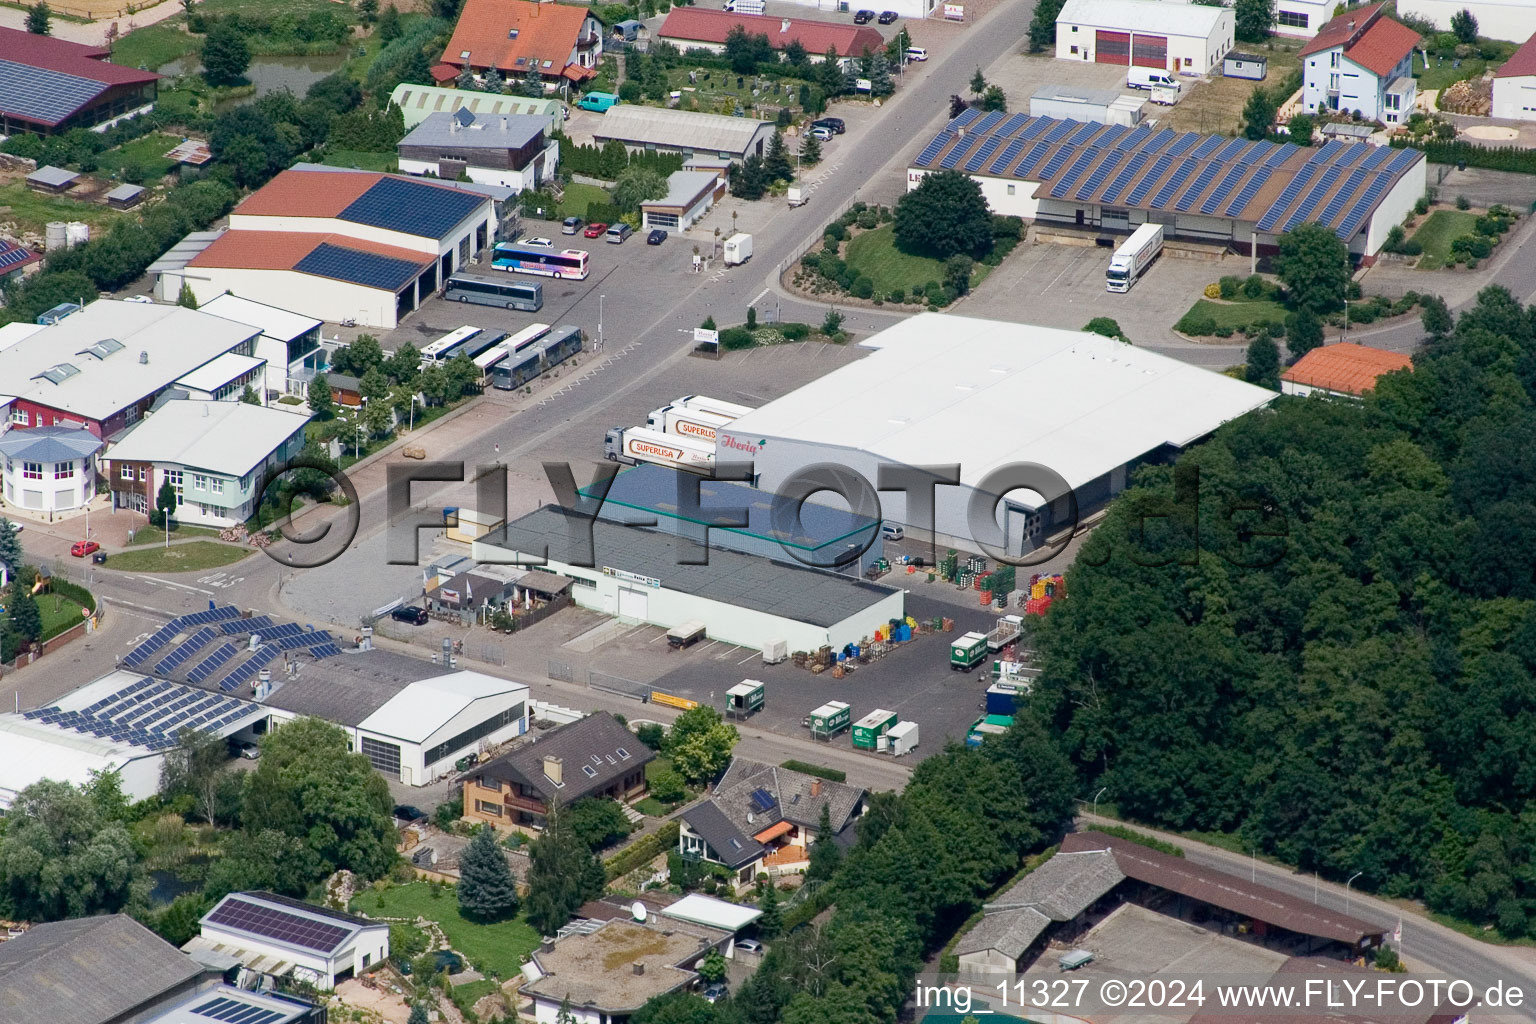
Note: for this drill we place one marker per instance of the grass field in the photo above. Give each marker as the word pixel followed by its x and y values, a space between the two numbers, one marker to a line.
pixel 30 211
pixel 199 554
pixel 155 45
pixel 874 254
pixel 1436 233
pixel 578 197
pixel 360 160
pixel 148 152
pixel 1217 105
pixel 179 531
pixel 58 614
pixel 498 948
pixel 1239 314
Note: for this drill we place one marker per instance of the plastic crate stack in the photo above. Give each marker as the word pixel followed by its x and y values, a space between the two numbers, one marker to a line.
pixel 1042 591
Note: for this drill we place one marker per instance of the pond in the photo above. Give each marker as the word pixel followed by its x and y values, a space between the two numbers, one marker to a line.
pixel 268 74
pixel 165 886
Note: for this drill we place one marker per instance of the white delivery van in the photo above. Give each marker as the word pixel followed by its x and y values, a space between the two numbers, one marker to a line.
pixel 1148 78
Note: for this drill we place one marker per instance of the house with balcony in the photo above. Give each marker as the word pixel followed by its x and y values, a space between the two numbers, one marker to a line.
pixel 764 819
pixel 591 757
pixel 1361 62
pixel 214 454
pixel 521 38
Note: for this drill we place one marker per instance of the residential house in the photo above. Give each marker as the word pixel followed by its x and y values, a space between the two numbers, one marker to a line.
pixel 763 818
pixel 698 28
pixel 593 756
pixel 49 86
pixel 1361 62
pixel 214 454
pixel 419 102
pixel 14 260
pixel 1514 85
pixel 519 38
pixel 1344 370
pixel 513 150
pixel 278 935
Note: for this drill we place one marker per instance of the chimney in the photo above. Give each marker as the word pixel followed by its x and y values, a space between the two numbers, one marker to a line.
pixel 784 26
pixel 503 124
pixel 554 768
pixel 144 356
pixel 637 967
pixel 205 410
pixel 815 787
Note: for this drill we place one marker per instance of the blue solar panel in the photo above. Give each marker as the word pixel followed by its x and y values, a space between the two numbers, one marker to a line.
pixel 1331 151
pixel 185 650
pixel 1084 133
pixel 1247 192
pixel 1159 140
pixel 1304 210
pixel 1231 149
pixel 1137 162
pixel 1035 155
pixel 1145 184
pixel 1207 147
pixel 1356 154
pixel 932 149
pixel 365 268
pixel 325 650
pixel 1100 172
pixel 1059 130
pixel 39 94
pixel 1079 167
pixel 1256 152
pixel 1057 161
pixel 10 255
pixel 960 149
pixel 413 207
pixel 1010 151
pixel 1281 154
pixel 1292 190
pixel 1363 207
pixel 986 149
pixel 1379 155
pixel 1177 180
pixel 1207 175
pixel 1035 127
pixel 988 121
pixel 965 117
pixel 1223 188
pixel 1184 143
pixel 1342 196
pixel 205 668
pixel 1111 135
pixel 1010 126
pixel 1404 160
pixel 247 625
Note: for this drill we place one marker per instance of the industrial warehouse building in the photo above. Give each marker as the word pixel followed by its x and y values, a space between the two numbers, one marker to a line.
pixel 993 394
pixel 1182 38
pixel 643 575
pixel 49 86
pixel 337 245
pixel 280 936
pixel 687 132
pixel 1109 179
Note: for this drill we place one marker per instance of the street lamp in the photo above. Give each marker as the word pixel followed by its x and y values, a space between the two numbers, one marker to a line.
pixel 1347 884
pixel 600 299
pixel 414 400
pixel 1096 801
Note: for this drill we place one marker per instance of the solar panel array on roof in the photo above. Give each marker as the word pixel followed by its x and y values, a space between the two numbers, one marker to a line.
pixel 1185 143
pixel 1379 156
pixel 1208 147
pixel 1094 180
pixel 1148 180
pixel 961 148
pixel 1112 193
pixel 365 268
pixel 1287 197
pixel 1177 180
pixel 1083 134
pixel 10 256
pixel 986 149
pixel 1281 154
pixel 148 714
pixel 235 1011
pixel 1012 125
pixel 38 94
pixel 932 149
pixel 1363 207
pixel 204 669
pixel 415 208
pixel 1251 189
pixel 1230 150
pixel 1207 175
pixel 1336 204
pixel 275 923
pixel 1034 156
pixel 1223 188
pixel 1077 170
pixel 964 118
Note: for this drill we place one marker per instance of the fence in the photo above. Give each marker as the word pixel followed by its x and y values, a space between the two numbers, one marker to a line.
pixel 811 242
pixel 561 672
pixel 617 685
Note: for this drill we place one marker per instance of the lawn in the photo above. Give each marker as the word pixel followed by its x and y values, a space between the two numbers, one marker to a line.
pixel 199 554
pixel 498 948
pixel 1240 314
pixel 154 46
pixel 1436 233
pixel 1217 105
pixel 362 161
pixel 578 197
pixel 1442 74
pixel 874 254
pixel 148 152
pixel 179 531
pixel 651 807
pixel 58 613
pixel 31 212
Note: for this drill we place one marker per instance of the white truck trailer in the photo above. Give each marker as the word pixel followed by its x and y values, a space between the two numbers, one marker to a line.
pixel 703 403
pixel 1133 257
pixel 635 445
pixel 738 249
pixel 679 419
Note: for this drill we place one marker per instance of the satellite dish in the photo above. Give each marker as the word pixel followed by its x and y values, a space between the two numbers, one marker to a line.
pixel 638 910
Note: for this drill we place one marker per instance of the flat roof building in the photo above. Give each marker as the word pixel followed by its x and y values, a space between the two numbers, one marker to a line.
pixel 690 195
pixel 289 342
pixel 418 102
pixel 1103 106
pixel 994 394
pixel 683 131
pixel 610 972
pixel 1097 180
pixel 513 150
pixel 278 935
pixel 49 85
pixel 643 576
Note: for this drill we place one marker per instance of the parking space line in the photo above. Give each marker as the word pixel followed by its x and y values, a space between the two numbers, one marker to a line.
pixel 709 645
pixel 748 658
pixel 726 654
pixel 658 636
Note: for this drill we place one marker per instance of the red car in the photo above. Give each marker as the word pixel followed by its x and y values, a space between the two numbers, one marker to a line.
pixel 595 230
pixel 82 548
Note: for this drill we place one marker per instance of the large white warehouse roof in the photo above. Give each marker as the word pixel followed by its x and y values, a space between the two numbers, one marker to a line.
pixel 1175 19
pixel 943 389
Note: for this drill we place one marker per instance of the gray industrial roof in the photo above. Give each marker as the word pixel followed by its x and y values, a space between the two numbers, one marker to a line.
pixel 482 131
pixel 1010 933
pixel 51 175
pixel 1063 886
pixel 183 252
pixel 49 444
pixel 681 129
pixel 86 971
pixel 683 187
pixel 125 192
pixel 1091 97
pixel 761 584
pixel 347 690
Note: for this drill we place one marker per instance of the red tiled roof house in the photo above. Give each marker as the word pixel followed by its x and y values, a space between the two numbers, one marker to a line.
pixel 519 36
pixel 1362 62
pixel 1514 84
pixel 1344 370
pixel 690 28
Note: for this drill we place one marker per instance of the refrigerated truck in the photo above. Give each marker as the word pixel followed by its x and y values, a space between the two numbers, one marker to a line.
pixel 703 403
pixel 868 730
pixel 902 739
pixel 967 651
pixel 829 719
pixel 737 249
pixel 677 419
pixel 634 445
pixel 1133 257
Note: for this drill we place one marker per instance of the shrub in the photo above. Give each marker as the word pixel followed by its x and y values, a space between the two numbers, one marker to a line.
pixel 869 219
pixel 1253 288
pixel 837 230
pixel 733 338
pixel 794 331
pixel 1462 203
pixel 1482 247
pixel 1228 286
pixel 863 287
pixel 1362 314
pixel 1213 290
pixel 643 850
pixel 806 768
pixel 1197 324
pixel 1421 207
pixel 897 295
pixel 1223 332
pixel 1413 247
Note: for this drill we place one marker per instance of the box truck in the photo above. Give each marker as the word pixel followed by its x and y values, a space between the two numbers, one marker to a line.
pixel 869 730
pixel 828 720
pixel 1133 257
pixel 902 738
pixel 967 651
pixel 634 445
pixel 744 698
pixel 678 419
pixel 703 403
pixel 738 249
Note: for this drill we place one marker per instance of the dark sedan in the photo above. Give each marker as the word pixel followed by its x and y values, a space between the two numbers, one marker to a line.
pixel 656 237
pixel 864 17
pixel 888 17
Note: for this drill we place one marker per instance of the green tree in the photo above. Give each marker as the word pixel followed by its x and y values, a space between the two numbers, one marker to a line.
pixel 187 298
pixel 1435 316
pixel 771 921
pixel 249 396
pixel 700 744
pixel 487 890
pixel 196 767
pixel 829 73
pixel 1042 26
pixel 1463 25
pixel 1301 127
pixel 419 1014
pixel 795 55
pixel 1105 326
pixel 1313 264
pixel 226 55
pixel 403 364
pixel 994 99
pixel 378 417
pixel 635 186
pixel 810 151
pixel 1254 19
pixel 944 215
pixel 321 402
pixel 597 822
pixel 60 858
pixel 492 81
pixel 751 179
pixel 1263 366
pixel 880 81
pixel 40 19
pixel 1258 113
pixel 825 855
pixel 466 79
pixel 667 785
pixel 957 272
pixel 11 555
pixel 182 920
pixel 25 618
pixel 978 83
pixel 368 10
pixel 389 24
pixel 562 875
pixel 166 504
pixel 776 163
pixel 712 967
pixel 1303 333
pixel 308 786
pixel 359 357
pixel 373 385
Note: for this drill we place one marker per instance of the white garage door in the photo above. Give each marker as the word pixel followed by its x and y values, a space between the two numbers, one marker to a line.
pixel 633 604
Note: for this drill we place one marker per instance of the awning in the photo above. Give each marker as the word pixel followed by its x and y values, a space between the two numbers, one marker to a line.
pixel 577 73
pixel 774 831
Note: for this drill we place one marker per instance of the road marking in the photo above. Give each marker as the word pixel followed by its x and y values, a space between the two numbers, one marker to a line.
pixel 658 636
pixel 748 658
pixel 759 298
pixel 179 586
pixel 709 645
pixel 137 640
pixel 726 654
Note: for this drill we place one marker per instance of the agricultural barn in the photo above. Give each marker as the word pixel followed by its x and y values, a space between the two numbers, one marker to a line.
pixel 1109 179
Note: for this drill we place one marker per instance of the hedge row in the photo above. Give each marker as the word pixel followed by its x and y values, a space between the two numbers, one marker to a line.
pixel 806 768
pixel 1494 158
pixel 1121 832
pixel 643 850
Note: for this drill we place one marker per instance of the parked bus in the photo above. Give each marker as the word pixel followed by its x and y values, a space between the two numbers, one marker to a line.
pixel 569 263
pixel 485 342
pixel 527 296
pixel 539 356
pixel 448 346
pixel 522 363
